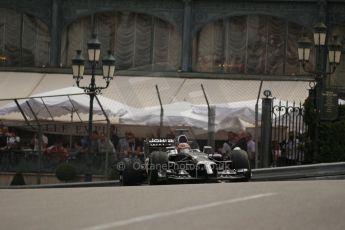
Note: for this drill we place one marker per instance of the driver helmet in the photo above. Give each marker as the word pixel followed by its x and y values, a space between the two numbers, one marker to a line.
pixel 183 147
pixel 182 139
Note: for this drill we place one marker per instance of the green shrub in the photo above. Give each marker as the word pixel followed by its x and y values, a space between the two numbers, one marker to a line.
pixel 114 174
pixel 18 179
pixel 66 172
pixel 332 136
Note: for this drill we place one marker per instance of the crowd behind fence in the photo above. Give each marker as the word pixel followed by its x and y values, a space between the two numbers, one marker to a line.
pixel 21 153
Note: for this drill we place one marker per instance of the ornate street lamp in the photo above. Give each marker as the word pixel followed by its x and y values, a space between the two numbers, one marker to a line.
pixel 323 51
pixel 78 63
pixel 330 53
pixel 320 31
pixel 334 51
pixel 78 67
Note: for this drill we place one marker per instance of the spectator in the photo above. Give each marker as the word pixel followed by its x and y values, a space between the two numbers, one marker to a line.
pixel 3 145
pixel 84 142
pixel 276 154
pixel 105 145
pixel 289 149
pixel 45 141
pixel 123 146
pixel 35 142
pixel 230 143
pixel 3 139
pixel 12 141
pixel 57 151
pixel 75 152
pixel 251 149
pixel 135 146
pixel 242 141
pixel 94 148
pixel 114 138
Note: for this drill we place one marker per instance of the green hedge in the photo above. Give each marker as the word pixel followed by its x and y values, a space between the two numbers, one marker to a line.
pixel 332 141
pixel 331 135
pixel 66 172
pixel 114 174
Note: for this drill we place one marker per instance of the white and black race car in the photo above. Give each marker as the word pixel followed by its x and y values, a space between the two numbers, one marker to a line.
pixel 169 161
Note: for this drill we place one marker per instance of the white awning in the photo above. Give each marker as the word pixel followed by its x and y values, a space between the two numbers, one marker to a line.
pixel 140 92
pixel 60 102
pixel 183 99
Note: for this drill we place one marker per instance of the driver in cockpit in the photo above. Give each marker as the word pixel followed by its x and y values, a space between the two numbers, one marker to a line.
pixel 183 148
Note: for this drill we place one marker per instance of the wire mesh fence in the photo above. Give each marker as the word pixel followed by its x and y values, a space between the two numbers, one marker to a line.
pixel 140 115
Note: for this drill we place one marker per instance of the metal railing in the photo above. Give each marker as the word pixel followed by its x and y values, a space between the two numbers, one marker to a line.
pixel 305 172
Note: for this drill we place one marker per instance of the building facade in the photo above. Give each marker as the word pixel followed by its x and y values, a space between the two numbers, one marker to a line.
pixel 230 38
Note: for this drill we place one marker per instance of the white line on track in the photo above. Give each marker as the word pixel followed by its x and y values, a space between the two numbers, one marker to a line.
pixel 174 212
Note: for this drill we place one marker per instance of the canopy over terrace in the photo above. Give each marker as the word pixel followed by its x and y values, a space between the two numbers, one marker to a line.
pixel 138 95
pixel 140 91
pixel 59 106
pixel 232 116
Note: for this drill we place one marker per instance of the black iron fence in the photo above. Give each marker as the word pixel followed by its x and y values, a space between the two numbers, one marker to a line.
pixel 288 134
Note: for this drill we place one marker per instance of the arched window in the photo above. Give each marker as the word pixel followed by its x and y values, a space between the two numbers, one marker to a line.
pixel 24 40
pixel 250 45
pixel 138 41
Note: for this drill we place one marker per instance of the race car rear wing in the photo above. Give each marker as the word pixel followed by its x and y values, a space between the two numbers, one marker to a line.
pixel 160 142
pixel 155 144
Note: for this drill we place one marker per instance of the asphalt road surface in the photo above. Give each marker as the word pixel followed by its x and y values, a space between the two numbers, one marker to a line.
pixel 261 205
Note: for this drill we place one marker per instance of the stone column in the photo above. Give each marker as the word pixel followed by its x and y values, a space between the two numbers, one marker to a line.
pixel 266 131
pixel 187 38
pixel 55 33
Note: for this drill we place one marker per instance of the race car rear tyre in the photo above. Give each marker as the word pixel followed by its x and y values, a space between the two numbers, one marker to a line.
pixel 240 161
pixel 158 162
pixel 130 173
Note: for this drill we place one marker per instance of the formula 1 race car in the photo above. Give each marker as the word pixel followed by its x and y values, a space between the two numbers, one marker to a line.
pixel 169 161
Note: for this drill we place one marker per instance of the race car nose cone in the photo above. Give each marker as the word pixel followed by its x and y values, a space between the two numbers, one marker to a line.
pixel 208 166
pixel 209 169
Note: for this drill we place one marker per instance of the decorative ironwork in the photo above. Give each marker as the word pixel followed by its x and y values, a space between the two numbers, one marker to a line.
pixel 288 134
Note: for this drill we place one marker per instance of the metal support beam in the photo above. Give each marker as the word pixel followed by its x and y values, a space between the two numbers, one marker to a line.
pixel 45 106
pixel 162 112
pixel 22 112
pixel 211 121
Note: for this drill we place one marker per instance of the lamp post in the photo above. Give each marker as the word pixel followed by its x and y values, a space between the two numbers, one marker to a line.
pixel 333 47
pixel 327 58
pixel 78 67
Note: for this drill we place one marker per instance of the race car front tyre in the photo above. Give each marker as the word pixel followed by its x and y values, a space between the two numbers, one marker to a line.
pixel 240 161
pixel 130 174
pixel 158 163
